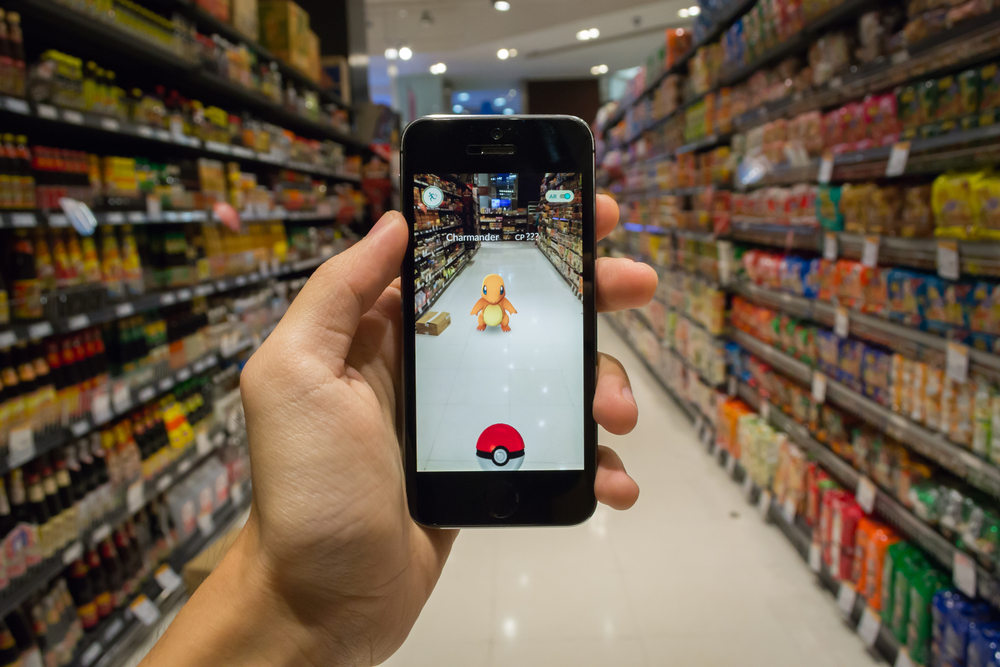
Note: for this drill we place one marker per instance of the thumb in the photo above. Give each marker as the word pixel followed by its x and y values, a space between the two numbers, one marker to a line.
pixel 325 314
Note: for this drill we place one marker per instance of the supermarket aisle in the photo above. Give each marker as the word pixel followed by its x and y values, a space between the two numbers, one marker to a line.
pixel 528 377
pixel 690 576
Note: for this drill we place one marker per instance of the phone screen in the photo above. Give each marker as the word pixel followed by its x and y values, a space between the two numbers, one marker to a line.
pixel 499 321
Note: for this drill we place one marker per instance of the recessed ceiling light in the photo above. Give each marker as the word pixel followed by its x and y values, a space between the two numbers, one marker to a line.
pixel 694 10
pixel 405 53
pixel 463 97
pixel 391 54
pixel 439 68
pixel 508 112
pixel 511 93
pixel 599 69
pixel 500 101
pixel 457 108
pixel 583 35
pixel 683 13
pixel 501 5
pixel 513 53
pixel 503 54
pixel 594 33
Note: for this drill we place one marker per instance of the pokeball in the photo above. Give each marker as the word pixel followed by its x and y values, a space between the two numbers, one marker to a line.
pixel 500 447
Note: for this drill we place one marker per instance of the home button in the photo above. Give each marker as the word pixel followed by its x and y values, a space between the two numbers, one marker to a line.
pixel 501 500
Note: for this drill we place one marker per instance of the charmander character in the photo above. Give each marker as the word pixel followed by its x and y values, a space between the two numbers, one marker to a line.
pixel 493 306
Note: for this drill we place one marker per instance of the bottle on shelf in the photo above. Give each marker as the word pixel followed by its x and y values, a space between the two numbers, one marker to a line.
pixel 82 590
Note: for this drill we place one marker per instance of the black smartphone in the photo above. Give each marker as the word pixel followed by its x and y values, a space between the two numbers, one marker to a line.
pixel 499 322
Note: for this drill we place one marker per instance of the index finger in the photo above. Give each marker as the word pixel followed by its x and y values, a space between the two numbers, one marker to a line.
pixel 607 215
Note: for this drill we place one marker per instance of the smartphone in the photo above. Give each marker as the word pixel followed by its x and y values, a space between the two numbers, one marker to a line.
pixel 499 323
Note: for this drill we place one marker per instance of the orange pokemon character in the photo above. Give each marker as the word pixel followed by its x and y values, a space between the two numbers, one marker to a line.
pixel 494 306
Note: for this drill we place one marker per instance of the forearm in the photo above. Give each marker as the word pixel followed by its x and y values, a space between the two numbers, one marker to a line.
pixel 235 618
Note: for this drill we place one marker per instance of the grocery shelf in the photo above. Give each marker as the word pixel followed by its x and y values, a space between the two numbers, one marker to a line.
pixel 29 219
pixel 904 340
pixel 974 470
pixel 109 36
pixel 439 292
pixel 113 637
pixel 887 508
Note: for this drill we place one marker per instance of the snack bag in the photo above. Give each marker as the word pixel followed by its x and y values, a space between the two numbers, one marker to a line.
pixel 954 205
pixel 918 412
pixel 927 100
pixel 895 554
pixel 851 352
pixel 916 218
pixel 908 104
pixel 876 371
pixel 933 391
pixel 922 591
pixel 987 206
pixel 982 419
pixel 949 98
pixel 903 287
pixel 828 208
pixel 876 290
pixel 969 90
pixel 931 298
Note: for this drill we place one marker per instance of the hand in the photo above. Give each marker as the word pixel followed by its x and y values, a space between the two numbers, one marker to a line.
pixel 330 568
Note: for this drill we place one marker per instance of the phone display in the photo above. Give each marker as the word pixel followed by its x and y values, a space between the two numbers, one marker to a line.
pixel 499 321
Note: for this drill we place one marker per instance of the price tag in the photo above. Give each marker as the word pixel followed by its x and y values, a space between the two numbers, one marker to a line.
pixel 236 493
pixel 897 159
pixel 841 322
pixel 203 290
pixel 184 294
pixel 167 578
pixel 957 362
pixel 788 510
pixel 16 105
pixel 72 552
pixel 110 124
pixel 764 503
pixel 819 387
pixel 765 411
pixel 20 447
pixel 947 259
pixel 144 131
pixel 74 117
pixel 204 444
pixel 7 338
pixel 164 482
pixel 845 599
pixel 830 246
pixel 154 208
pixel 825 168
pixel 163 135
pixel 115 218
pixel 865 494
pixel 143 609
pixel 168 299
pixel 747 485
pixel 165 384
pixel 79 428
pixel 124 309
pixel 100 533
pixel 241 281
pixel 183 374
pixel 91 654
pixel 206 524
pixel 731 387
pixel 963 573
pixel 869 626
pixel 815 557
pixel 221 285
pixel 730 464
pixel 47 111
pixel 121 397
pixel 40 330
pixel 184 466
pixel 869 253
pixel 134 499
pixel 836 82
pixel 100 407
pixel 114 627
pixel 136 216
pixel 146 393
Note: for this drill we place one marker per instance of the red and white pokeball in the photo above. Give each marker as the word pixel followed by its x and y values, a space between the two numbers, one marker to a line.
pixel 500 447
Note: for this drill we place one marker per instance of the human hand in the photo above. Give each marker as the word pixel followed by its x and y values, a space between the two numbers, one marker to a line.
pixel 330 561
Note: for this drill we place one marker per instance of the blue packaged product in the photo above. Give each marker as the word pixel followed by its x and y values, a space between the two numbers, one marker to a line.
pixel 984 642
pixel 961 618
pixel 984 309
pixel 904 304
pixel 876 370
pixel 828 352
pixel 735 360
pixel 851 355
pixel 810 281
pixel 792 272
pixel 931 298
pixel 941 605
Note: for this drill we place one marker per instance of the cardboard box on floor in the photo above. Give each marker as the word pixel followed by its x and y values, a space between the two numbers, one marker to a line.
pixel 433 323
pixel 198 568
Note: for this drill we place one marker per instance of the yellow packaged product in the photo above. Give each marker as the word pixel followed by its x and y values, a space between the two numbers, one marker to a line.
pixel 933 394
pixel 918 408
pixel 987 205
pixel 953 204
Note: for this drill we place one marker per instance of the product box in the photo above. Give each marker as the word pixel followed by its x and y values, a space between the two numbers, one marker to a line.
pixel 246 18
pixel 336 76
pixel 284 29
pixel 312 63
pixel 433 323
pixel 217 8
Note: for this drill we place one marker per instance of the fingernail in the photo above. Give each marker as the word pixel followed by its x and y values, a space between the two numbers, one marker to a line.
pixel 382 223
pixel 627 394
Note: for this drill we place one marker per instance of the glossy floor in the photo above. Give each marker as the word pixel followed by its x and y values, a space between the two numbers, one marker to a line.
pixel 530 377
pixel 689 576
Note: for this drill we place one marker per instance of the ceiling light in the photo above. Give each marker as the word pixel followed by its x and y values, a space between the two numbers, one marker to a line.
pixel 683 13
pixel 594 33
pixel 500 101
pixel 694 11
pixel 508 112
pixel 457 108
pixel 503 54
pixel 511 93
pixel 463 97
pixel 599 69
pixel 583 35
pixel 392 70
pixel 513 53
pixel 405 53
pixel 439 68
pixel 501 5
pixel 391 54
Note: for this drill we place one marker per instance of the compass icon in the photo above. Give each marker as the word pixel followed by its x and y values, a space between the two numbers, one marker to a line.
pixel 432 197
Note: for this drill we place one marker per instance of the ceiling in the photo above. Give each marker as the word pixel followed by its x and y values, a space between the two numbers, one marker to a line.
pixel 466 35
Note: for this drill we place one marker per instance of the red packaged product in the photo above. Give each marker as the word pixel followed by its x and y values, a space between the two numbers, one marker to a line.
pixel 876 290
pixel 846 515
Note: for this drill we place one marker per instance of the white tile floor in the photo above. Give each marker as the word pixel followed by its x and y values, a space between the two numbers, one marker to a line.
pixel 690 576
pixel 529 377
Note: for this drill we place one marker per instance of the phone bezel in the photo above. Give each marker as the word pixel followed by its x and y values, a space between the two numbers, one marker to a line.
pixel 543 144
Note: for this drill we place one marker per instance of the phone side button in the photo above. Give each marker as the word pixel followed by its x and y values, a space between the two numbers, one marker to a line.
pixel 501 500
